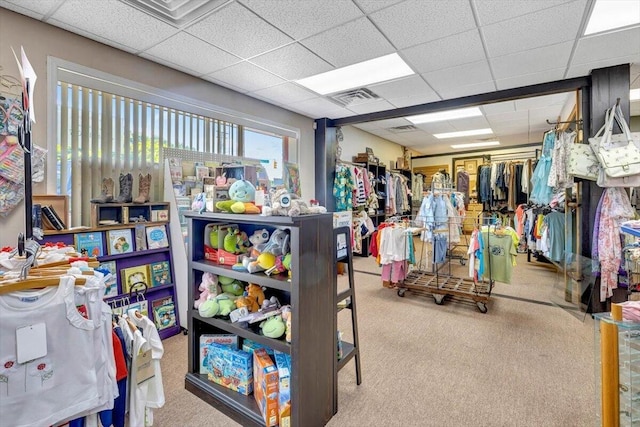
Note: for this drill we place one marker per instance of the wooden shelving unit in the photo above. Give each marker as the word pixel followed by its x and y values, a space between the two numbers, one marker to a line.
pixel 311 293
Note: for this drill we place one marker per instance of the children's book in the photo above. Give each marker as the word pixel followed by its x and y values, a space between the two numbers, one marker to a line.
pixel 120 241
pixel 160 273
pixel 142 306
pixel 111 283
pixel 157 237
pixel 164 313
pixel 135 279
pixel 89 244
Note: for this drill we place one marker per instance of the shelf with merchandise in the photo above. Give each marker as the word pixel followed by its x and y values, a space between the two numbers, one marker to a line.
pixel 278 281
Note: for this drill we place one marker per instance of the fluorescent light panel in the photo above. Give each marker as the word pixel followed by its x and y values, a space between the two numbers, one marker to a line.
pixel 634 94
pixel 462 133
pixel 476 144
pixel 376 70
pixel 461 113
pixel 611 14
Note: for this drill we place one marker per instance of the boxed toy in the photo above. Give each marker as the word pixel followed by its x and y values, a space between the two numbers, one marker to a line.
pixel 283 363
pixel 231 368
pixel 265 386
pixel 249 346
pixel 229 340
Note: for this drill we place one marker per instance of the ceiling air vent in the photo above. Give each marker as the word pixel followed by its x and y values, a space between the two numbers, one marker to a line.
pixel 178 13
pixel 354 96
pixel 405 128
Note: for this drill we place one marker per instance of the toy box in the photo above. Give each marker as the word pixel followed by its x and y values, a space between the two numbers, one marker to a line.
pixel 265 386
pixel 249 346
pixel 205 352
pixel 283 363
pixel 231 368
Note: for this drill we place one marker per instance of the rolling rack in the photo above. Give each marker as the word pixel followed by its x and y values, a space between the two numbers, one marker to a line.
pixel 440 285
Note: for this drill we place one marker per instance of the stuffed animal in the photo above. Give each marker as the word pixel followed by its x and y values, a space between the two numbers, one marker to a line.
pixel 286 316
pixel 226 303
pixel 278 243
pixel 274 327
pixel 256 294
pixel 208 288
pixel 213 237
pixel 242 191
pixel 235 241
pixel 259 239
pixel 209 308
pixel 230 286
pixel 250 304
pixel 199 203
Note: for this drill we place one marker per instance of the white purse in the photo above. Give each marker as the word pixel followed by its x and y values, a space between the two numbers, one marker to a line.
pixel 583 163
pixel 619 154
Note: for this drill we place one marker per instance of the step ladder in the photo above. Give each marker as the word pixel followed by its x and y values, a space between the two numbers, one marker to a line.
pixel 344 254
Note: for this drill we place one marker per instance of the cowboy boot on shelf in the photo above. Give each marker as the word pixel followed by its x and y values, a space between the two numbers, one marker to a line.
pixel 144 187
pixel 126 184
pixel 106 196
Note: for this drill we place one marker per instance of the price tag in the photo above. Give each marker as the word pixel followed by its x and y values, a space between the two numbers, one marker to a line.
pixel 31 342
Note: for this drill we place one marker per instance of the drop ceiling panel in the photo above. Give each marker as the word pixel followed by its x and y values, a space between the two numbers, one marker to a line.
pixel 350 43
pixel 92 36
pixel 301 19
pixel 319 107
pixel 409 101
pixel 542 101
pixel 237 30
pixel 498 107
pixel 392 123
pixel 436 127
pixel 470 123
pixel 441 80
pixel 186 50
pixel 114 20
pixel 493 11
pixel 538 116
pixel 446 52
pixel 369 6
pixel 458 91
pixel 286 93
pixel 543 28
pixel 509 116
pixel 224 84
pixel 415 137
pixel 416 21
pixel 368 126
pixel 580 70
pixel 608 46
pixel 531 61
pixel 531 79
pixel 406 86
pixel 247 76
pixel 292 62
pixel 370 107
pixel 33 8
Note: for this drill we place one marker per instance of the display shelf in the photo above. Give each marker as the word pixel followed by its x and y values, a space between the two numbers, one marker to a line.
pixel 280 281
pixel 241 408
pixel 311 294
pixel 234 328
pixel 103 228
pixel 134 253
pixel 146 291
pixel 122 213
pixel 348 351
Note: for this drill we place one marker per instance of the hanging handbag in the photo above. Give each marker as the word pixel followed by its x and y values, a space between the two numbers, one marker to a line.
pixel 619 154
pixel 583 163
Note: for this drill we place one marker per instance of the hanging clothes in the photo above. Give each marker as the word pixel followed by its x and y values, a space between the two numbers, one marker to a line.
pixel 559 177
pixel 343 187
pixel 499 253
pixel 462 185
pixel 541 192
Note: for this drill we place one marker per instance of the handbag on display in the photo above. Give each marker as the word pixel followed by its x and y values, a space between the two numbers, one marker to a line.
pixel 583 163
pixel 619 154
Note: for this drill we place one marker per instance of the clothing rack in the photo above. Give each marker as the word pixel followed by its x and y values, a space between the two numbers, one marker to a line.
pixel 525 155
pixel 345 162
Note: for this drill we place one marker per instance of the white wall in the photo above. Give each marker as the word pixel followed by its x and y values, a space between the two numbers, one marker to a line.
pixel 356 140
pixel 41 40
pixel 448 158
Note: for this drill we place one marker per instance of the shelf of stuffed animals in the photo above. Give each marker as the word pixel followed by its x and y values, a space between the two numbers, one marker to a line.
pixel 307 286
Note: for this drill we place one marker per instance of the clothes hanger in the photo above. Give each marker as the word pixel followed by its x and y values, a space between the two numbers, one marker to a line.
pixel 34 283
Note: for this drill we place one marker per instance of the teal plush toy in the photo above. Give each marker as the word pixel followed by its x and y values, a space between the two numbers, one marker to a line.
pixel 230 286
pixel 242 191
pixel 273 327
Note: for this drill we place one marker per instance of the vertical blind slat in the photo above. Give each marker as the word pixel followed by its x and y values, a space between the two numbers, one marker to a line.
pixel 75 156
pixel 64 138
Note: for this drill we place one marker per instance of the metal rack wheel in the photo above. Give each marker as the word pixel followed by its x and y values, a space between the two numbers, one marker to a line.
pixel 482 307
pixel 401 292
pixel 463 261
pixel 439 299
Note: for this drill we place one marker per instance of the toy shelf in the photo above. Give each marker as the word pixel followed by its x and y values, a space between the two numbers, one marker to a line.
pixel 311 293
pixel 279 281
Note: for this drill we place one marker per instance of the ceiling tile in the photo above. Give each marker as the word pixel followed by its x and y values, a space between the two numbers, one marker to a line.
pixel 409 101
pixel 358 41
pixel 546 27
pixel 370 107
pixel 492 11
pixel 607 46
pixel 449 78
pixel 392 123
pixel 190 52
pixel 224 84
pixel 247 76
pixel 499 107
pixel 90 36
pixel 301 19
pixel 446 52
pixel 467 90
pixel 285 93
pixel 532 61
pixel 416 21
pixel 114 20
pixel 368 126
pixel 580 70
pixel 506 117
pixel 292 62
pixel 415 137
pixel 317 107
pixel 538 116
pixel 558 99
pixel 239 31
pixel 166 63
pixel 470 123
pixel 369 6
pixel 530 79
pixel 33 8
pixel 407 86
pixel 436 127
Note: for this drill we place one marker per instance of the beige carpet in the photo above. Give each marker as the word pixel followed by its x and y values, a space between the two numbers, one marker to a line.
pixel 521 364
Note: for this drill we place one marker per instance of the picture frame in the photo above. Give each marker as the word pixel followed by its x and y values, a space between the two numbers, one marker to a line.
pixel 471 166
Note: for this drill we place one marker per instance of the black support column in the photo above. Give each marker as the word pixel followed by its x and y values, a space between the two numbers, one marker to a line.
pixel 325 149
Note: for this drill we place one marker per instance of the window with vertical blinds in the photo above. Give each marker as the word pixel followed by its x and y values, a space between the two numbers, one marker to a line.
pixel 101 135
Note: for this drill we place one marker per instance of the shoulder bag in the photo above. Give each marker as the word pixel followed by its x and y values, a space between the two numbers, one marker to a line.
pixel 619 154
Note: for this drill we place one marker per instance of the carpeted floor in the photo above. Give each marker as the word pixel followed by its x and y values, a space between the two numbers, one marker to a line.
pixel 524 363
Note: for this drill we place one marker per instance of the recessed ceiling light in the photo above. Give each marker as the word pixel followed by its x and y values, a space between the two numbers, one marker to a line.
pixel 634 94
pixel 611 14
pixel 460 113
pixel 462 133
pixel 376 70
pixel 476 144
